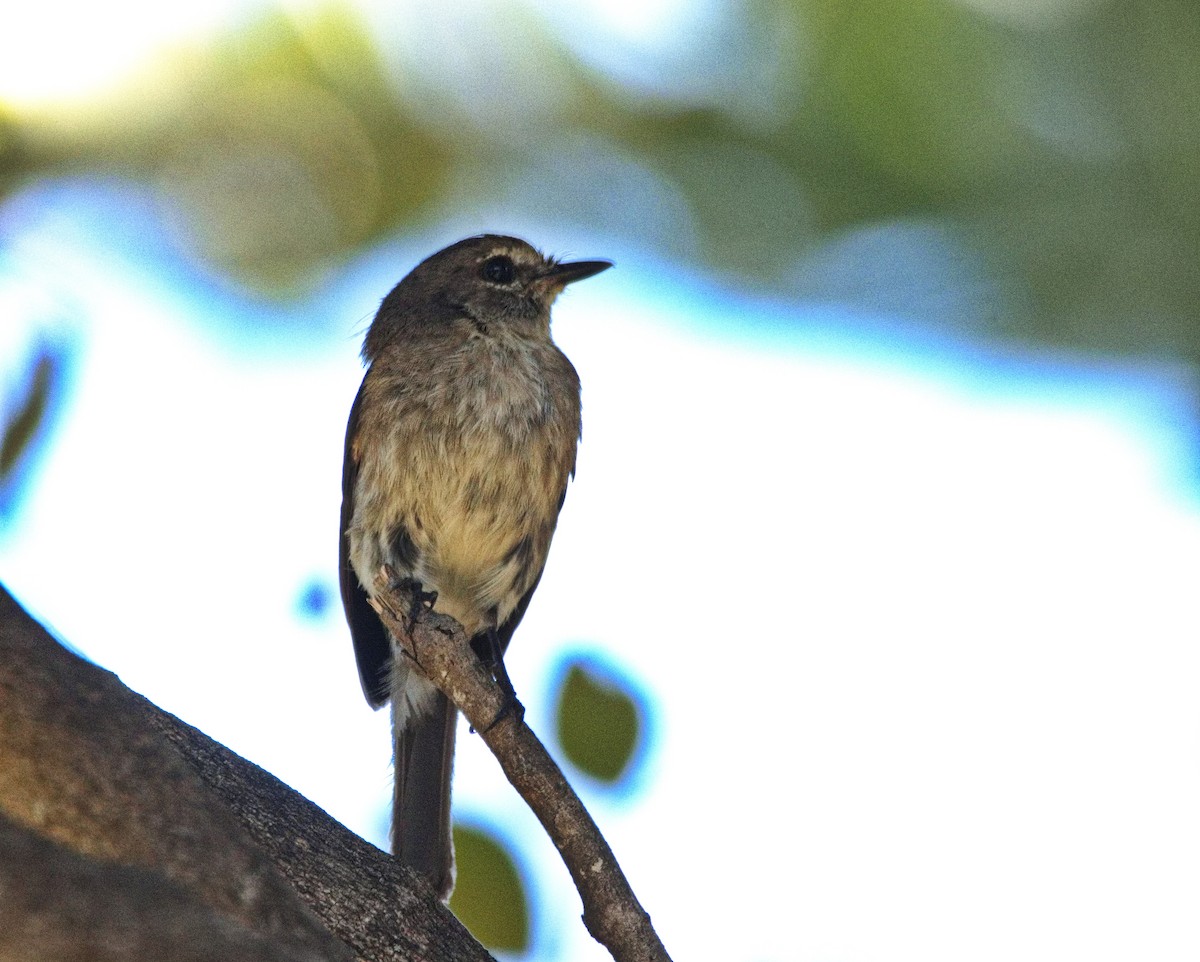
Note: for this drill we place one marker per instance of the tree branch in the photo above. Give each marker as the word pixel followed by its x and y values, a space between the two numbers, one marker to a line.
pixel 442 651
pixel 126 835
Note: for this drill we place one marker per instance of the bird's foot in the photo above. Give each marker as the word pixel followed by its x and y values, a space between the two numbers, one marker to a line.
pixel 421 599
pixel 510 707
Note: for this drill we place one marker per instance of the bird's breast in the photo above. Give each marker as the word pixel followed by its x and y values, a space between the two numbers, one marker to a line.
pixel 461 478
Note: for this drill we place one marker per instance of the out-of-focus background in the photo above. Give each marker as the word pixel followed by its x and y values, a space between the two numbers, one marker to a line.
pixel 870 628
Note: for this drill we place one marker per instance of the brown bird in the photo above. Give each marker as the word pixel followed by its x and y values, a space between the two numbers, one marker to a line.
pixel 458 451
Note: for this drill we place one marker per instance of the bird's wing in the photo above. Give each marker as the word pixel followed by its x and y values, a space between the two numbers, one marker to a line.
pixel 372 649
pixel 504 632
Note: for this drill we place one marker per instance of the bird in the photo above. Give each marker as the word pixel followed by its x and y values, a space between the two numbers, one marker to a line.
pixel 459 447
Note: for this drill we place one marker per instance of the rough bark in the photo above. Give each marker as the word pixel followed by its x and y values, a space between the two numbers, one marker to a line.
pixel 126 834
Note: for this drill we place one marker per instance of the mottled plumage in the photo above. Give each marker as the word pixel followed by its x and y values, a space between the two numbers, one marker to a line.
pixel 459 448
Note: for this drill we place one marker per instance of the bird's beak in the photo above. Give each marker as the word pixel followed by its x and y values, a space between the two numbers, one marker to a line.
pixel 560 275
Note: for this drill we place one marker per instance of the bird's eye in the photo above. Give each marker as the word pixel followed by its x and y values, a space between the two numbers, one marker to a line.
pixel 499 270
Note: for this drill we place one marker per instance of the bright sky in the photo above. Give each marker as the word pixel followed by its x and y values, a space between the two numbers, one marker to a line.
pixel 42 64
pixel 922 625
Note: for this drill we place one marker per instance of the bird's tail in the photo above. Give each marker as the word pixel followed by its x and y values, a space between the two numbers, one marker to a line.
pixel 424 761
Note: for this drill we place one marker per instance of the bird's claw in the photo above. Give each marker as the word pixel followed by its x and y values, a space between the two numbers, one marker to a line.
pixel 421 599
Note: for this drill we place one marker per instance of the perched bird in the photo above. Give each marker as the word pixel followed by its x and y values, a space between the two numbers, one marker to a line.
pixel 458 451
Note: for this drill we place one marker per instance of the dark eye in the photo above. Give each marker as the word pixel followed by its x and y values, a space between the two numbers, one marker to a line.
pixel 499 270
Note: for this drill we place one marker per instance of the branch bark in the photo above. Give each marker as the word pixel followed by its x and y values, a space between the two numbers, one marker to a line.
pixel 126 834
pixel 440 648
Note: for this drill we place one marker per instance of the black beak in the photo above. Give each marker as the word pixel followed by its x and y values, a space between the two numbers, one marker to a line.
pixel 564 274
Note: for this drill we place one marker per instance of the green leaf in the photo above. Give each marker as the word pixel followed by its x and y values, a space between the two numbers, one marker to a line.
pixel 598 721
pixel 489 897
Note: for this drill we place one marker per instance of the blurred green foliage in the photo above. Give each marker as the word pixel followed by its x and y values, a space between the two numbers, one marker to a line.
pixel 1054 139
pixel 26 410
pixel 489 898
pixel 598 722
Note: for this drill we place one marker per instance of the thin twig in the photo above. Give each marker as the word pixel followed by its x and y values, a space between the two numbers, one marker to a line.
pixel 440 647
